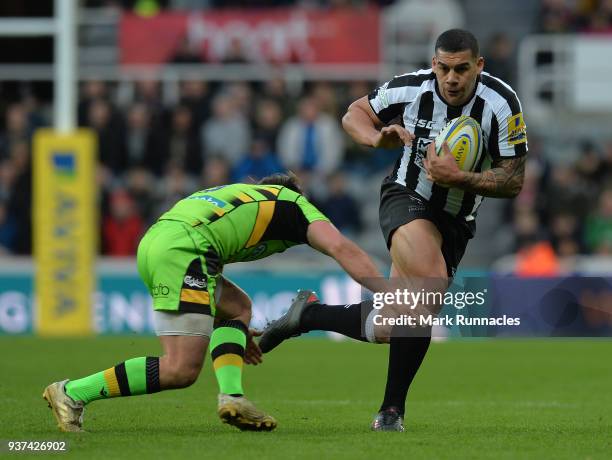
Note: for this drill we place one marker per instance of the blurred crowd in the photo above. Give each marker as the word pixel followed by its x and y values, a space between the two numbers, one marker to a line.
pixel 152 154
pixel 565 208
pixel 583 16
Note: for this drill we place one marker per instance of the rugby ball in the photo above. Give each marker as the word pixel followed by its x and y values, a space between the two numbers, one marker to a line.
pixel 464 138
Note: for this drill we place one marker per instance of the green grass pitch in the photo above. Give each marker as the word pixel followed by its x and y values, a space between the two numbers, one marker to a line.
pixel 472 399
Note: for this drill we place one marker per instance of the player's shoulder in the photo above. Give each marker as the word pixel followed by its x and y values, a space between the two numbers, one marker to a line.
pixel 499 94
pixel 412 79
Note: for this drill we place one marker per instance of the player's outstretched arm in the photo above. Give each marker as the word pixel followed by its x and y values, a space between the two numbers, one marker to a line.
pixel 362 124
pixel 326 238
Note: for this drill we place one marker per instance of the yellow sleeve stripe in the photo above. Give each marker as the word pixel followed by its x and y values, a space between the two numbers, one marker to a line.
pixel 218 211
pixel 264 216
pixel 111 382
pixel 245 198
pixel 229 359
pixel 193 296
pixel 273 190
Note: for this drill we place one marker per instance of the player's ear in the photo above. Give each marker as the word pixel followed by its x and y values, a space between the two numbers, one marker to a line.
pixel 480 63
pixel 434 61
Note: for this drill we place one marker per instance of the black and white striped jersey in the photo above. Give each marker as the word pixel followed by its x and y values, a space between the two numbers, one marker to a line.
pixel 415 98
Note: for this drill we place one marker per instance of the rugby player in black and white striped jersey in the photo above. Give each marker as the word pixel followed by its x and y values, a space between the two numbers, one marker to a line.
pixel 428 205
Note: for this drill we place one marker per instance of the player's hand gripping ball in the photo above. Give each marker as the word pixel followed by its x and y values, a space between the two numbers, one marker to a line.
pixel 455 151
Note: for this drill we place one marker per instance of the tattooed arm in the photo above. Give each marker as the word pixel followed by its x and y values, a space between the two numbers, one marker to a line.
pixel 503 180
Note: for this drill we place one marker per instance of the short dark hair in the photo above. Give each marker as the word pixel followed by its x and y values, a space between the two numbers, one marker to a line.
pixel 455 40
pixel 288 180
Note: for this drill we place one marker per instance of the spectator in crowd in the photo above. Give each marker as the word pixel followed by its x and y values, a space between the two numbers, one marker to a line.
pixel 325 96
pixel 565 234
pixel 148 92
pixel 598 228
pixel 589 164
pixel 567 192
pixel 268 118
pixel 499 60
pixel 217 172
pixel 111 136
pixel 275 89
pixel 20 199
pixel 311 140
pixel 141 146
pixel 8 230
pixel 195 94
pixel 18 130
pixel 340 206
pixel 175 185
pixel 7 179
pixel 259 162
pixel 122 227
pixel 556 16
pixel 91 90
pixel 242 95
pixel 600 21
pixel 33 111
pixel 140 185
pixel 526 225
pixel 227 132
pixel 182 146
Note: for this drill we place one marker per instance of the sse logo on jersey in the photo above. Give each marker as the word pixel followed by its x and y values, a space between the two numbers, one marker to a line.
pixel 517 131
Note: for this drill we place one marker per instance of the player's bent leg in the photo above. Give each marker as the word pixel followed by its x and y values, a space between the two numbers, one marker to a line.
pixel 177 368
pixel 417 265
pixel 182 361
pixel 227 348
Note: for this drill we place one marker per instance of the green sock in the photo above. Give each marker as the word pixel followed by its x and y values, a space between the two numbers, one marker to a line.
pixel 135 376
pixel 227 345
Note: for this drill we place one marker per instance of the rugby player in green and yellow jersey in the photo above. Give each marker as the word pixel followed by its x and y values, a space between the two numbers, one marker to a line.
pixel 180 260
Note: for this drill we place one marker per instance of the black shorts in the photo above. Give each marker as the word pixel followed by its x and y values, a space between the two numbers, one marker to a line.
pixel 398 206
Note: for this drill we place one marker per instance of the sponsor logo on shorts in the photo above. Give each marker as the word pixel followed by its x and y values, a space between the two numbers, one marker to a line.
pixel 161 290
pixel 192 281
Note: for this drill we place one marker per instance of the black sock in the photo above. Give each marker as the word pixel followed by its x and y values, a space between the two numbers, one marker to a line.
pixel 405 357
pixel 344 319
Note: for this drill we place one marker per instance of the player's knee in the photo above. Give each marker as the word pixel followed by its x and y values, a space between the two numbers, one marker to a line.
pixel 187 376
pixel 183 375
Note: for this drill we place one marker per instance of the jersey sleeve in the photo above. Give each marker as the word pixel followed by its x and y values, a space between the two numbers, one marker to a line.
pixel 385 102
pixel 311 213
pixel 509 138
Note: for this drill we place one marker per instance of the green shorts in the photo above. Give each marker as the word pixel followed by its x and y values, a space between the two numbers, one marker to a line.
pixel 179 267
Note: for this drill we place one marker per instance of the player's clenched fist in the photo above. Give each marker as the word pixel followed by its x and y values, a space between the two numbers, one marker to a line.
pixel 393 136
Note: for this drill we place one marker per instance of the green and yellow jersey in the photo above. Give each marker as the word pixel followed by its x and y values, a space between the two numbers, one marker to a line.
pixel 246 222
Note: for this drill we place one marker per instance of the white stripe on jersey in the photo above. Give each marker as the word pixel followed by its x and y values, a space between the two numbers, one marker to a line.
pixel 424 185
